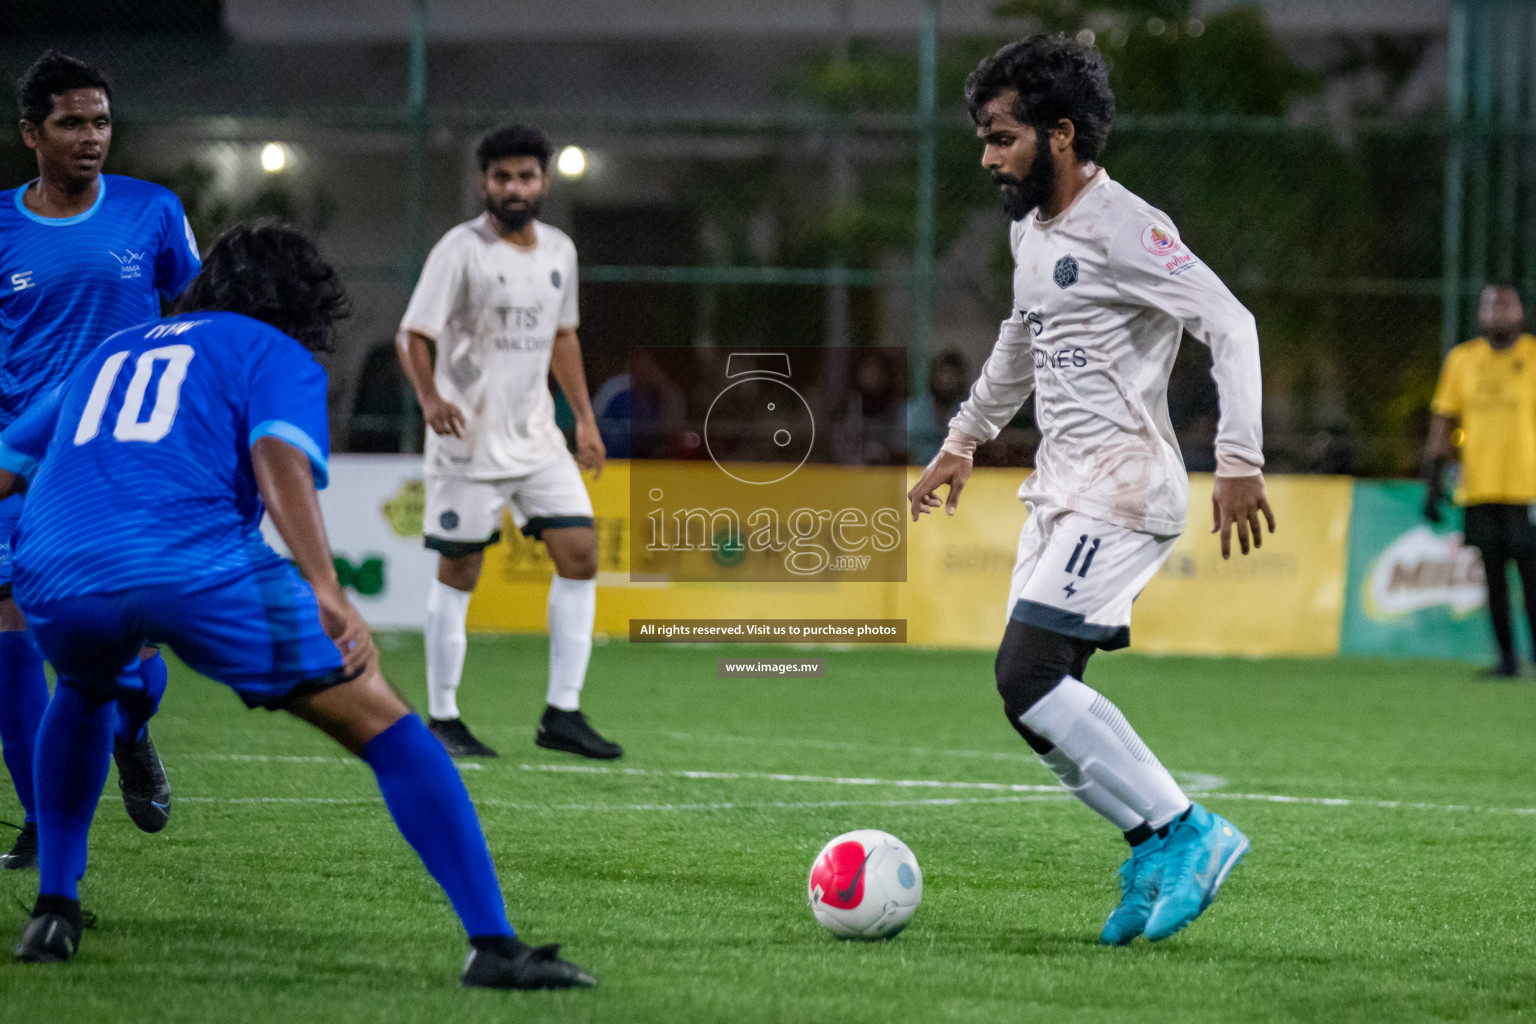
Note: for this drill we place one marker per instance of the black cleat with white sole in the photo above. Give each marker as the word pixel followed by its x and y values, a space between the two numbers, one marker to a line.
pixel 456 738
pixel 53 934
pixel 571 732
pixel 23 855
pixel 146 791
pixel 502 961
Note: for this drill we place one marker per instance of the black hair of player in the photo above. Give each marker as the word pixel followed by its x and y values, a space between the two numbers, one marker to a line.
pixel 514 140
pixel 1056 78
pixel 54 74
pixel 272 273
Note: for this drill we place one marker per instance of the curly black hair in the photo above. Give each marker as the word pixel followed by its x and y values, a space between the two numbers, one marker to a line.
pixel 50 75
pixel 515 140
pixel 1056 78
pixel 272 273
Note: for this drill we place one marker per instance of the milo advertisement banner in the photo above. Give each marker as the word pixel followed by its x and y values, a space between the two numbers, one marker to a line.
pixel 1413 589
pixel 373 510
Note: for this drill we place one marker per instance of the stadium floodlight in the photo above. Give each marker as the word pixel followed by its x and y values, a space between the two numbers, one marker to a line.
pixel 274 157
pixel 572 162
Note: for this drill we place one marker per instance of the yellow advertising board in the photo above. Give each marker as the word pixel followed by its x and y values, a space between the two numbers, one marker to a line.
pixel 959 567
pixel 515 584
pixel 1285 599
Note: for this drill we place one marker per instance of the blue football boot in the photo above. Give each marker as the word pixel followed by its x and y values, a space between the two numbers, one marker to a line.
pixel 1139 877
pixel 1199 851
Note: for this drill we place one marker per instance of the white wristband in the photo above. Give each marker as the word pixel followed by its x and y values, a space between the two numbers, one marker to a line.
pixel 1228 464
pixel 960 443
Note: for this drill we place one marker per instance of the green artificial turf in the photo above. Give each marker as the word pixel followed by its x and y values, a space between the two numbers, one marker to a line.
pixel 685 895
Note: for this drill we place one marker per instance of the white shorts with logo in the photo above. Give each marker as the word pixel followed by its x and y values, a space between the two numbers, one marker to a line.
pixel 1077 575
pixel 464 516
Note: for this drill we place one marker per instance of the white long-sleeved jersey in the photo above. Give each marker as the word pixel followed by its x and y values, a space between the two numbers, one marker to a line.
pixel 1102 295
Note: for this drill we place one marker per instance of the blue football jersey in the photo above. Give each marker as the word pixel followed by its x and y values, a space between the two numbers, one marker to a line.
pixel 146 478
pixel 66 283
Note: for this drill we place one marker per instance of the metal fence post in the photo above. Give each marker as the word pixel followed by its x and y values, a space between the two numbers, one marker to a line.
pixel 415 227
pixel 1455 159
pixel 1509 135
pixel 1528 154
pixel 1480 66
pixel 922 256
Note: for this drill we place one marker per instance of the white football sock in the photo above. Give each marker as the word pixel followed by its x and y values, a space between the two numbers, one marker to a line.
pixel 1090 792
pixel 572 611
pixel 1095 736
pixel 447 610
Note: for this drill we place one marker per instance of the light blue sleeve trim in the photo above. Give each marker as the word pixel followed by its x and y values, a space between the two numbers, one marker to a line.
pixel 16 462
pixel 285 431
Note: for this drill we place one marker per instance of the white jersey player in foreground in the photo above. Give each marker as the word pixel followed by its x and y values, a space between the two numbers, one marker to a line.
pixel 498 299
pixel 1103 291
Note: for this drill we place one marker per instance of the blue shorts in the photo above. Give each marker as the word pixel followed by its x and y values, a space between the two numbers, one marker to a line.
pixel 10 515
pixel 257 631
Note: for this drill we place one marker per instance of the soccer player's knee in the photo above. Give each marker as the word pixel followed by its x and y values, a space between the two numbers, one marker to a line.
pixel 98 689
pixel 580 565
pixel 11 618
pixel 1030 663
pixel 354 712
pixel 574 551
pixel 461 572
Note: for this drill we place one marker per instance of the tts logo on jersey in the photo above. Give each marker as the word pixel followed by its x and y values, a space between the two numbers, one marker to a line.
pixel 22 281
pixel 130 262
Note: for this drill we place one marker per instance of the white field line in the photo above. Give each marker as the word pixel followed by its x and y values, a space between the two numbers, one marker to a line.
pixel 831 780
pixel 1193 782
pixel 766 805
pixel 791 741
pixel 1040 791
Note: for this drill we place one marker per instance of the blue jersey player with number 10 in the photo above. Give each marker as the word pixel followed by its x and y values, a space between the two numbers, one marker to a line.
pixel 222 411
pixel 82 255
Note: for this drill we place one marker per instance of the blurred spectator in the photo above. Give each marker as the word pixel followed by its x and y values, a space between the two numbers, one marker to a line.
pixel 642 413
pixel 928 415
pixel 872 428
pixel 1487 391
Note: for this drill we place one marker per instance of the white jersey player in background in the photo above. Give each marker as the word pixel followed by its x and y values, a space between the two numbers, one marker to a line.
pixel 497 297
pixel 1103 291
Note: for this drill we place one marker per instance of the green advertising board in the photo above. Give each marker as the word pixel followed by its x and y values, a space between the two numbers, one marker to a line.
pixel 1413 589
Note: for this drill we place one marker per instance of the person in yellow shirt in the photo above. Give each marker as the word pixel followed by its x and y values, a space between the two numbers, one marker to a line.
pixel 1487 391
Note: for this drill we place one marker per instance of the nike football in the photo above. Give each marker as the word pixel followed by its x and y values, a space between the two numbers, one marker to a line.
pixel 865 885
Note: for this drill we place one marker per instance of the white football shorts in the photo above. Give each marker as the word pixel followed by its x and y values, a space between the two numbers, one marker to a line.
pixel 1078 576
pixel 463 516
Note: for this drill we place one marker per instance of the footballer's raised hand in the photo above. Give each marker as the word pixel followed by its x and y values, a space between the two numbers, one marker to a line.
pixel 946 468
pixel 1237 501
pixel 590 451
pixel 344 624
pixel 443 416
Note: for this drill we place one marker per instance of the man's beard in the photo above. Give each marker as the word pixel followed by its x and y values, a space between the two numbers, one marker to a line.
pixel 1020 195
pixel 513 217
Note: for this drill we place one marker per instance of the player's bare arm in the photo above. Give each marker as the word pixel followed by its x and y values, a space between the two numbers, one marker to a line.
pixel 946 470
pixel 565 364
pixel 288 488
pixel 415 352
pixel 1006 380
pixel 1238 501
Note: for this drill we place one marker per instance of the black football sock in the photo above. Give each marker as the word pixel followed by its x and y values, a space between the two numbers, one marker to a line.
pixel 1140 834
